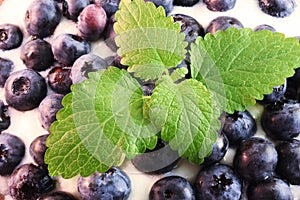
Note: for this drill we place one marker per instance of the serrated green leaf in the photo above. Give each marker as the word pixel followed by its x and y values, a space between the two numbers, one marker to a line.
pixel 150 43
pixel 103 120
pixel 185 113
pixel 244 64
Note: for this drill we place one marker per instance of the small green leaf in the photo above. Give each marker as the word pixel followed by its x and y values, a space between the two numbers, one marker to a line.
pixel 150 43
pixel 185 113
pixel 103 120
pixel 239 66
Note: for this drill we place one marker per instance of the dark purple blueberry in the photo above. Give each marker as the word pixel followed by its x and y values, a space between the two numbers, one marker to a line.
pixel 171 188
pixel 148 88
pixel 255 159
pixel 109 34
pixel 220 5
pixel 288 166
pixel 185 3
pixel 25 89
pixel 277 8
pixel 238 126
pixel 218 182
pixel 116 61
pixel 85 64
pixel 57 195
pixel 273 188
pixel 166 4
pixel 276 95
pixel 6 67
pixel 281 120
pixel 59 79
pixel 72 8
pixel 38 148
pixel 12 151
pixel 110 6
pixel 111 185
pixel 29 182
pixel 161 159
pixel 4 117
pixel 48 108
pixel 264 27
pixel 91 22
pixel 37 54
pixel 68 47
pixel 189 26
pixel 42 18
pixel 222 23
pixel 11 36
pixel 219 150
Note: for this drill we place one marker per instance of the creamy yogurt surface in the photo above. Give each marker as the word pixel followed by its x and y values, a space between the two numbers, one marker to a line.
pixel 27 126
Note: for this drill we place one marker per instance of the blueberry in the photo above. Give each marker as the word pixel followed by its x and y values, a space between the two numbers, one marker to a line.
pixel 72 8
pixel 289 161
pixel 110 6
pixel 11 36
pixel 25 89
pixel 281 120
pixel 12 151
pixel 109 34
pixel 37 54
pixel 29 182
pixel 273 188
pixel 160 160
pixel 276 95
pixel 38 148
pixel 6 67
pixel 172 188
pixel 85 64
pixel 218 182
pixel 219 150
pixel 264 27
pixel 91 22
pixel 185 3
pixel 220 5
pixel 4 117
pixel 255 159
pixel 59 79
pixel 238 126
pixel 148 88
pixel 189 26
pixel 166 4
pixel 48 108
pixel 277 8
pixel 222 23
pixel 42 18
pixel 57 195
pixel 68 47
pixel 111 185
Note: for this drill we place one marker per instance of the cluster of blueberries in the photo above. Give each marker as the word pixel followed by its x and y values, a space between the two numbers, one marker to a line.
pixel 265 168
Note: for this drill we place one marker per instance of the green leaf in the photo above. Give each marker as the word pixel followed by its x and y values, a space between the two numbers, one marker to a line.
pixel 239 66
pixel 104 120
pixel 185 113
pixel 150 43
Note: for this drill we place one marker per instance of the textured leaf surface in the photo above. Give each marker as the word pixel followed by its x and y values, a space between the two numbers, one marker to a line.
pixel 102 122
pixel 185 113
pixel 149 42
pixel 239 66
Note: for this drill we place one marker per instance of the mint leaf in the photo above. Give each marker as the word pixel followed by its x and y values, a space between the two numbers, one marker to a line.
pixel 95 129
pixel 185 113
pixel 243 63
pixel 150 43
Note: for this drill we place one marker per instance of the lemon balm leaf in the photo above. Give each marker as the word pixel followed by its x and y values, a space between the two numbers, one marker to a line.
pixel 185 113
pixel 149 42
pixel 240 66
pixel 104 120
